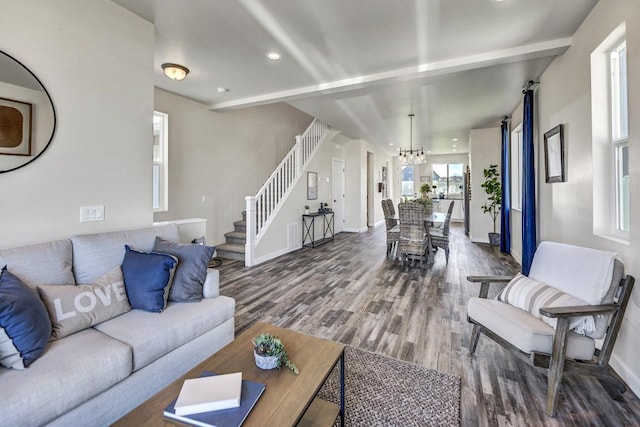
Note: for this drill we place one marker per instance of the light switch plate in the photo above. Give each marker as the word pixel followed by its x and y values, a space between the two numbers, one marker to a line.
pixel 91 213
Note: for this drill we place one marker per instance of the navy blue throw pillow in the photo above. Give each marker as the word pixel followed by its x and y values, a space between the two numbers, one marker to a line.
pixel 24 320
pixel 147 278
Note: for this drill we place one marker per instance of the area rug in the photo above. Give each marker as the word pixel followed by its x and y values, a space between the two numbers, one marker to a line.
pixel 382 391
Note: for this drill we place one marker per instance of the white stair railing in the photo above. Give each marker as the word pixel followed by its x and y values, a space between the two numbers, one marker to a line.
pixel 262 208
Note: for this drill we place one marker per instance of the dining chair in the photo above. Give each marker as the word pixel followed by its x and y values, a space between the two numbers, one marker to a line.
pixel 392 209
pixel 440 236
pixel 414 235
pixel 393 232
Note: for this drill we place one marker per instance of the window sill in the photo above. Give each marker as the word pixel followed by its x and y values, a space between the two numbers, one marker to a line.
pixel 615 239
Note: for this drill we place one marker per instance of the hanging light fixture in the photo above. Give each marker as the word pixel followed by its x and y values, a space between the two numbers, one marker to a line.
pixel 411 156
pixel 175 71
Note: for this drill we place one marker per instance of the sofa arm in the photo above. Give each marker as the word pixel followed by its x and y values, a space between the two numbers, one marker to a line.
pixel 211 288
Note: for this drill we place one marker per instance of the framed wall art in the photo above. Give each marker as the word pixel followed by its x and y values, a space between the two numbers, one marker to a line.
pixel 15 127
pixel 312 185
pixel 554 166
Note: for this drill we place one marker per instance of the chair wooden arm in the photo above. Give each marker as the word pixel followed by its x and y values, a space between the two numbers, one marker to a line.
pixel 579 310
pixel 486 280
pixel 489 279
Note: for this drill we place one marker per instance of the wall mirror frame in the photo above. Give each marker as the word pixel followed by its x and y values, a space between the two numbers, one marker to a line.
pixel 27 115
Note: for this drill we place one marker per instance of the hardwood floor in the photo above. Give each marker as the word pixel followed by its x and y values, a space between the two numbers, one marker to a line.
pixel 348 291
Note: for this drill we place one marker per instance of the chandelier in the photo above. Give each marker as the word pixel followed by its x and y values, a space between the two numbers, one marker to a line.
pixel 411 156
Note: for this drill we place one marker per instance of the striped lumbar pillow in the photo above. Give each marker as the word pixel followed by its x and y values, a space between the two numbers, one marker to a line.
pixel 531 295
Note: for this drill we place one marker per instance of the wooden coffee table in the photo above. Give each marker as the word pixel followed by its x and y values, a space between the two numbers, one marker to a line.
pixel 288 400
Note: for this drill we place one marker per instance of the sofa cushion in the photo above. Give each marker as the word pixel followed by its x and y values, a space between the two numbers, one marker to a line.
pixel 156 335
pixel 191 271
pixel 95 254
pixel 531 295
pixel 74 308
pixel 24 331
pixel 523 330
pixel 42 264
pixel 147 278
pixel 70 372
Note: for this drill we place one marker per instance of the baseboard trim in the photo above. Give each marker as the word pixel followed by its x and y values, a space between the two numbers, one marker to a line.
pixel 626 373
pixel 356 230
pixel 275 254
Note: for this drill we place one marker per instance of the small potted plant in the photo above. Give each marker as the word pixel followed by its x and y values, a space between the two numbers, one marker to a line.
pixel 425 189
pixel 427 203
pixel 269 353
pixel 306 209
pixel 493 188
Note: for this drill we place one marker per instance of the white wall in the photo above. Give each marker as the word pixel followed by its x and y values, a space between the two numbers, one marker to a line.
pixel 223 157
pixel 566 209
pixel 275 242
pixel 96 60
pixel 484 150
pixel 356 183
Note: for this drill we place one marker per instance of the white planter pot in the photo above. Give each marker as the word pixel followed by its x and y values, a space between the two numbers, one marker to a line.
pixel 266 362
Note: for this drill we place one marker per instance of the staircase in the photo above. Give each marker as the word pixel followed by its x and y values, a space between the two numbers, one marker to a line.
pixel 264 206
pixel 235 241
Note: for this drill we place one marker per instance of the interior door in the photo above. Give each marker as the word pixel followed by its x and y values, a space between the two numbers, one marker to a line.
pixel 338 195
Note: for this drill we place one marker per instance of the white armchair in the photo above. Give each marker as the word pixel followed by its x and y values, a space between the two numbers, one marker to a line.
pixel 572 297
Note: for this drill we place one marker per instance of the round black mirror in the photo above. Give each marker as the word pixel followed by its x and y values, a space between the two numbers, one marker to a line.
pixel 27 116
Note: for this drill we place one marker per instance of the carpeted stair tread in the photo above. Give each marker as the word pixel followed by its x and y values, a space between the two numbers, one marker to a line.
pixel 236 237
pixel 230 251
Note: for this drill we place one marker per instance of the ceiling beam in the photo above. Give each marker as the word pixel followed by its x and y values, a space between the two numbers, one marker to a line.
pixel 422 71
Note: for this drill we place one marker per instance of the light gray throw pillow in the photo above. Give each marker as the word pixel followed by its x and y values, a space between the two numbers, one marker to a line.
pixel 191 271
pixel 74 308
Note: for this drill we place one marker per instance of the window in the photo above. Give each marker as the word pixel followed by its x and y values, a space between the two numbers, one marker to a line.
pixel 448 178
pixel 516 168
pixel 620 133
pixel 610 137
pixel 160 161
pixel 407 181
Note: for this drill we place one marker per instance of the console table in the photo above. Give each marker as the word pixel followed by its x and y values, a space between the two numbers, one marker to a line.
pixel 309 228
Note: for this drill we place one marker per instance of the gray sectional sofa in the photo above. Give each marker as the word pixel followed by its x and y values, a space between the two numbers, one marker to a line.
pixel 95 376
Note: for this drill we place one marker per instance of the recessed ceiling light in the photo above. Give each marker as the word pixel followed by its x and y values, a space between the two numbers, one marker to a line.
pixel 273 55
pixel 391 144
pixel 223 90
pixel 454 145
pixel 454 150
pixel 455 139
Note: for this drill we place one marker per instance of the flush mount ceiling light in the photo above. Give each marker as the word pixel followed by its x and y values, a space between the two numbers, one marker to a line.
pixel 222 90
pixel 175 71
pixel 411 157
pixel 273 56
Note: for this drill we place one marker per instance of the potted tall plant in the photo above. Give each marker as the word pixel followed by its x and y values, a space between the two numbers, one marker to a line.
pixel 493 188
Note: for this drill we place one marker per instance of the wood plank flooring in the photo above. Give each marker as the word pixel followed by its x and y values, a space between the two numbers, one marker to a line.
pixel 348 291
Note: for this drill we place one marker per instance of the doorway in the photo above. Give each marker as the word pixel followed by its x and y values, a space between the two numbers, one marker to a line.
pixel 338 195
pixel 370 196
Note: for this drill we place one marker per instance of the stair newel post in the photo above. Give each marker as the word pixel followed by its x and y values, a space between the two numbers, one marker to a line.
pixel 250 245
pixel 299 160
